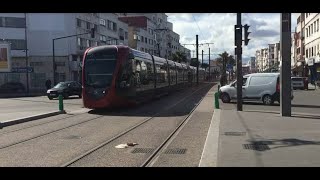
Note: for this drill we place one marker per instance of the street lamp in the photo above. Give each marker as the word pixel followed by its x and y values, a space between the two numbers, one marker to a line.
pixel 92 32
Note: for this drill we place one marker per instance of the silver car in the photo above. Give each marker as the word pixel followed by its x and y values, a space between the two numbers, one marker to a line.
pixel 263 87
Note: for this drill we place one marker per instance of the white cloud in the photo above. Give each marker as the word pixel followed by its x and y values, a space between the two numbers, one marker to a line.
pixel 218 28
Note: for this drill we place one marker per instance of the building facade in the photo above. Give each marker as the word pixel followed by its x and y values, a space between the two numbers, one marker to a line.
pixel 34 33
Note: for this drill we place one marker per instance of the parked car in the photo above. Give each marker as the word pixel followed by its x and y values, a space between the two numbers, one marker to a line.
pixel 12 87
pixel 297 83
pixel 68 88
pixel 263 87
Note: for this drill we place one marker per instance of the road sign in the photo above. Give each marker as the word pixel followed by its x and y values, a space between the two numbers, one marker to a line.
pixel 22 69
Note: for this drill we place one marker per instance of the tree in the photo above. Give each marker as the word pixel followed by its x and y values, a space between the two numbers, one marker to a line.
pixel 194 62
pixel 205 65
pixel 179 57
pixel 222 61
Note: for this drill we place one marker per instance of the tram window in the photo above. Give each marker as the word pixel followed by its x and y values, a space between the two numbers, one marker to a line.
pixel 162 75
pixel 125 75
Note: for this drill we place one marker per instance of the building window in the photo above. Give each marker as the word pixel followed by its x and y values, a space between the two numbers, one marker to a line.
pixel 78 22
pixel 114 26
pixel 17 44
pixel 79 42
pixel 14 22
pixel 102 22
pixel 142 39
pixel 88 25
pixel 307 32
pixel 307 53
pixel 125 35
pixel 103 38
pixel 88 43
pixel 121 34
pixel 311 28
pixel 109 24
pixel 146 40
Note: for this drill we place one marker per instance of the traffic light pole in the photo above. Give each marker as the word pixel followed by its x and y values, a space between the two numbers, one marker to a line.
pixel 197 46
pixel 209 65
pixel 238 40
pixel 285 76
pixel 53 51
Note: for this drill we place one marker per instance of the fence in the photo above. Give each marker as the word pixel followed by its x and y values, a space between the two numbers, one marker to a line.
pixel 16 83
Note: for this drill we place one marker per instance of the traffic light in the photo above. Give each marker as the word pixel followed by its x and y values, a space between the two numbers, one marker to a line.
pixel 92 32
pixel 246 34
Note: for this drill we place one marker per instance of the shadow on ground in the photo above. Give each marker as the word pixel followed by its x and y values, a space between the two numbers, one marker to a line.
pixel 281 143
pixel 161 106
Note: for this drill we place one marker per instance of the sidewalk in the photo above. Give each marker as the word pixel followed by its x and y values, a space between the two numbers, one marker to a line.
pixel 261 139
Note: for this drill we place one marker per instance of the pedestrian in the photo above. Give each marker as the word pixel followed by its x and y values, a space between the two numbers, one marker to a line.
pixel 48 84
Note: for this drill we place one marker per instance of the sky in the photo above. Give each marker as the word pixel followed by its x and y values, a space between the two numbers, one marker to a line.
pixel 218 28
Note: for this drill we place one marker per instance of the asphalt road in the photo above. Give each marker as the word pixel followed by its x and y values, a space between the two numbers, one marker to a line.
pixel 307 102
pixel 13 108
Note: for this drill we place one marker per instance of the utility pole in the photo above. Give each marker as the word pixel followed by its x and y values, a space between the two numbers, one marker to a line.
pixel 238 43
pixel 202 58
pixel 197 46
pixel 285 75
pixel 26 44
pixel 209 65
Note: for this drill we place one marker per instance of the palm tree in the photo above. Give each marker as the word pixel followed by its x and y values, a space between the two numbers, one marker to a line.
pixel 223 60
pixel 179 57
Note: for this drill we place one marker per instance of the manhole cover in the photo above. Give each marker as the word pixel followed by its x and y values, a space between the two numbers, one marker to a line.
pixel 235 133
pixel 175 151
pixel 143 150
pixel 256 147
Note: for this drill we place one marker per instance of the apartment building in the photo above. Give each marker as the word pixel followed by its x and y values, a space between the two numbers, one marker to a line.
pixel 40 30
pixel 312 44
pixel 141 34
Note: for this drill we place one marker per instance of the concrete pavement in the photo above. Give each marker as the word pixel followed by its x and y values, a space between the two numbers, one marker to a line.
pixel 17 108
pixel 259 137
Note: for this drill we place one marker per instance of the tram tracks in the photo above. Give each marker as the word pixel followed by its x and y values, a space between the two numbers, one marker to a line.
pixel 155 152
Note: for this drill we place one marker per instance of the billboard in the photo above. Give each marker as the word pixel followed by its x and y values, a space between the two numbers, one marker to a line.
pixel 5 58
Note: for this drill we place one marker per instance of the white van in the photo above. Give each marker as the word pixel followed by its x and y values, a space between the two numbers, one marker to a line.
pixel 263 87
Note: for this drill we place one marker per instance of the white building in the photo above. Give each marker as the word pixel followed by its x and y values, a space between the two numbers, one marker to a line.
pixel 41 29
pixel 312 38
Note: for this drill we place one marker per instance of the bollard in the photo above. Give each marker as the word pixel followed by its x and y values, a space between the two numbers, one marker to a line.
pixel 216 100
pixel 60 102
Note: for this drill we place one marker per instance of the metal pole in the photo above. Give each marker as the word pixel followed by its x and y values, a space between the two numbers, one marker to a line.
pixel 197 44
pixel 285 76
pixel 159 49
pixel 209 65
pixel 26 44
pixel 202 58
pixel 53 63
pixel 239 63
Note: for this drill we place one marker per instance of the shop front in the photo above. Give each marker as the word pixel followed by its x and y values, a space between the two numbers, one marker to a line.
pixel 314 70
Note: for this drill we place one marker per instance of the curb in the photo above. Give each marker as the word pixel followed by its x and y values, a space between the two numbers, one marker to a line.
pixel 209 157
pixel 30 118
